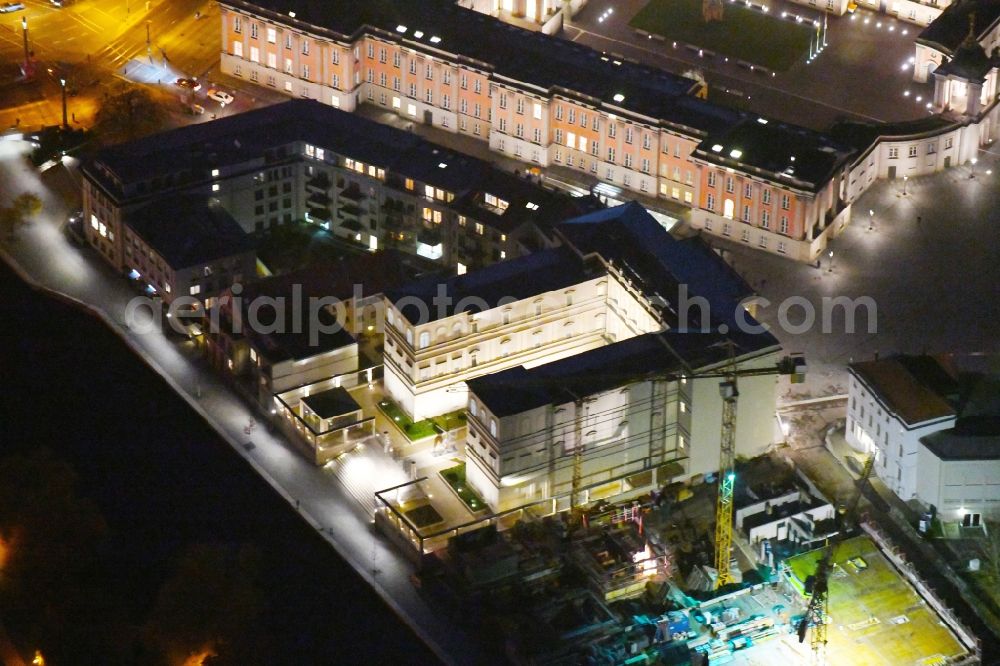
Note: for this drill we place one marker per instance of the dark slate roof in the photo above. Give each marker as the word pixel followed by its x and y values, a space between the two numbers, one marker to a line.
pixel 949 29
pixel 794 156
pixel 536 273
pixel 369 273
pixel 189 230
pixel 521 55
pixel 972 438
pixel 669 353
pixel 916 388
pixel 188 154
pixel 633 241
pixel 330 403
pixel 862 135
pixel 970 62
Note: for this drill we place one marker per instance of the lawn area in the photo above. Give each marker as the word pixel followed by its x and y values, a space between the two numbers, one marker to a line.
pixel 415 430
pixel 455 477
pixel 412 430
pixel 743 33
pixel 451 420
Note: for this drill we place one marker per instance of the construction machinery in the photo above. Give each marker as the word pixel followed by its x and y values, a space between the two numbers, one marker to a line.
pixel 816 615
pixel 793 365
pixel 727 477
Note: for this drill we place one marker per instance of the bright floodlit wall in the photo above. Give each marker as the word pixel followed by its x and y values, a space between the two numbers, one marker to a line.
pixel 873 428
pixel 432 85
pixel 920 13
pixel 756 420
pixel 427 364
pixel 290 373
pixel 635 437
pixel 628 431
pixel 957 488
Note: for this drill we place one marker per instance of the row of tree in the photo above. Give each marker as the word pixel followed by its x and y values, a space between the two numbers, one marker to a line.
pixel 61 594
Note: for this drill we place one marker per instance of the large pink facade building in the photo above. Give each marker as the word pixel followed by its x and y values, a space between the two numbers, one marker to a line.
pixel 547 101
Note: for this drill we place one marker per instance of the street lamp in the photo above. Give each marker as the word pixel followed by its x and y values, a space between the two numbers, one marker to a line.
pixel 27 54
pixel 972 168
pixel 830 268
pixel 871 220
pixel 905 178
pixel 62 82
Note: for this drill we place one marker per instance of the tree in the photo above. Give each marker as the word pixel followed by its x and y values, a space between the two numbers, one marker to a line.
pixel 24 207
pixel 52 536
pixel 211 606
pixel 131 113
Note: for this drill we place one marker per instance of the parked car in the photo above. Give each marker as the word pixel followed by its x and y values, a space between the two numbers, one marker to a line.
pixel 190 84
pixel 8 7
pixel 219 96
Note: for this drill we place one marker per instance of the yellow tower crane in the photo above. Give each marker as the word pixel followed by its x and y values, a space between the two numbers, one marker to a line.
pixel 816 615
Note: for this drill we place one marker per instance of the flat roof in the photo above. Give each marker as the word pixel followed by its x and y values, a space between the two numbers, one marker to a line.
pixel 972 438
pixel 366 274
pixel 189 230
pixel 669 353
pixel 780 512
pixel 516 279
pixel 331 403
pixel 862 135
pixel 915 388
pixel 793 156
pixel 185 156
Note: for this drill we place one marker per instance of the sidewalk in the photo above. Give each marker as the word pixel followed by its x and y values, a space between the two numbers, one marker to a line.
pixel 49 263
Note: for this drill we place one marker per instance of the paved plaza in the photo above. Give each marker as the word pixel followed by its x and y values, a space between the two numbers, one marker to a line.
pixel 860 75
pixel 931 264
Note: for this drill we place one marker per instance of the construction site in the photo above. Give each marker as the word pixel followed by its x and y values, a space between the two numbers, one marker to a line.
pixel 636 583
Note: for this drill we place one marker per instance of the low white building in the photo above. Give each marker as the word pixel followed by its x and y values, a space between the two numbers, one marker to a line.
pixel 892 404
pixel 960 471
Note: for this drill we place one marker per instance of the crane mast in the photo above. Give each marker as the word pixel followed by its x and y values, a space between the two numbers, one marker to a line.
pixel 727 478
pixel 817 614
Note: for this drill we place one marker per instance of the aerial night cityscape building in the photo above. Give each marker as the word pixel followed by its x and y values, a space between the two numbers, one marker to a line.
pixel 499 331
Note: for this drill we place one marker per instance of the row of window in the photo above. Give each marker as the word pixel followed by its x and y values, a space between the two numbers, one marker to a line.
pixel 272 34
pixel 913 150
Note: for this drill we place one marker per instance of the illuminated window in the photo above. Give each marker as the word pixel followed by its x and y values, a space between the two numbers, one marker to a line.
pixel 495 201
pixel 195 289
